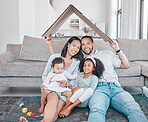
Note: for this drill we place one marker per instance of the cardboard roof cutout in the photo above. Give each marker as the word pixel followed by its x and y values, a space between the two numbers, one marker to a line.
pixel 66 14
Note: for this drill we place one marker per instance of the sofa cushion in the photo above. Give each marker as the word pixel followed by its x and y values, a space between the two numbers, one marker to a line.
pixel 34 49
pixel 102 45
pixel 132 81
pixel 59 44
pixel 20 82
pixel 37 48
pixel 23 68
pixel 134 70
pixel 144 67
pixel 134 49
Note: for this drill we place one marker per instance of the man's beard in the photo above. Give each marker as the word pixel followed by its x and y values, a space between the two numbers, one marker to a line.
pixel 89 52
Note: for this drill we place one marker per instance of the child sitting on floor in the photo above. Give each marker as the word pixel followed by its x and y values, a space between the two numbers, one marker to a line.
pixel 85 85
pixel 56 81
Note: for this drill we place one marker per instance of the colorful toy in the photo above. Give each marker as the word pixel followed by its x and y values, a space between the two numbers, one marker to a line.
pixel 33 114
pixel 21 105
pixel 29 113
pixel 24 110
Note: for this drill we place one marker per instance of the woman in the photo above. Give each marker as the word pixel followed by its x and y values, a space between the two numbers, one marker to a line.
pixel 72 56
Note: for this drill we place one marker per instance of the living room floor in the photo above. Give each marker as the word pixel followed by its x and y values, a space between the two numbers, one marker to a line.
pixel 34 91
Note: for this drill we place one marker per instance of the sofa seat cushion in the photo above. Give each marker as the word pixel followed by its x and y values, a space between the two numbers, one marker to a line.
pixel 144 67
pixel 134 70
pixel 23 68
pixel 132 81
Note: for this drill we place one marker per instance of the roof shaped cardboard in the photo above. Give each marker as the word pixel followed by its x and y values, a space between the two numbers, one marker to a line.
pixel 65 15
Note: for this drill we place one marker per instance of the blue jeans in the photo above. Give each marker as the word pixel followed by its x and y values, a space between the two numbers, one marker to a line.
pixel 109 94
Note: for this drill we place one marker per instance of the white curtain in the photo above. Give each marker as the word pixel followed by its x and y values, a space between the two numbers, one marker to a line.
pixel 130 19
pixel 112 18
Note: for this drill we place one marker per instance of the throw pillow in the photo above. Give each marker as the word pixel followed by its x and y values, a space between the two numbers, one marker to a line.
pixel 34 49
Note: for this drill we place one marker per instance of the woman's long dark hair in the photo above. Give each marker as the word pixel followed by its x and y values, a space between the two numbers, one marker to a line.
pixel 79 55
pixel 99 68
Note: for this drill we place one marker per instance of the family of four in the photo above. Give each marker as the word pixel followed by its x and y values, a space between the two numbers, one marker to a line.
pixel 81 76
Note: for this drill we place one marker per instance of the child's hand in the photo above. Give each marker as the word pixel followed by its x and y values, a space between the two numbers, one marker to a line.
pixel 62 83
pixel 43 88
pixel 69 85
pixel 80 73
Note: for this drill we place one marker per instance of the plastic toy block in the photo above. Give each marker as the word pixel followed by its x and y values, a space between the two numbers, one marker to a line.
pixel 33 114
pixel 21 105
pixel 24 110
pixel 29 113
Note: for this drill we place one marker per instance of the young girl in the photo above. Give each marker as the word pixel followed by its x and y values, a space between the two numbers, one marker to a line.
pixel 55 82
pixel 85 84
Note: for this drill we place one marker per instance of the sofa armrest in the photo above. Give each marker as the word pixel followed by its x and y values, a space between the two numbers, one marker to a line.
pixel 11 54
pixel 5 57
pixel 15 49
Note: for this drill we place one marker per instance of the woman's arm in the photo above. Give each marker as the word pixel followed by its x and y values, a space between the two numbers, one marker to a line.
pixel 49 41
pixel 48 66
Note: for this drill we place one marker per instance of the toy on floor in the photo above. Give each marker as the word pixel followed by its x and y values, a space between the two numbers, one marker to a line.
pixel 29 113
pixel 21 105
pixel 33 115
pixel 24 110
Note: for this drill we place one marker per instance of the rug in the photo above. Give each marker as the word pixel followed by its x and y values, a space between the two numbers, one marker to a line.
pixel 10 110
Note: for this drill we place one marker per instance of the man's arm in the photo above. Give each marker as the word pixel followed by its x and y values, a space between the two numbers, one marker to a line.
pixel 124 61
pixel 49 41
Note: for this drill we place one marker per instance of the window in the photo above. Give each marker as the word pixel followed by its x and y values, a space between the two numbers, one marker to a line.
pixel 119 12
pixel 144 20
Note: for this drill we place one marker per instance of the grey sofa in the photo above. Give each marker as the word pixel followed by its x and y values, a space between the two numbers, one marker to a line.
pixel 22 65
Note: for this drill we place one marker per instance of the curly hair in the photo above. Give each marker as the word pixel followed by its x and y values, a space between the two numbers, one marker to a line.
pixel 99 68
pixel 79 55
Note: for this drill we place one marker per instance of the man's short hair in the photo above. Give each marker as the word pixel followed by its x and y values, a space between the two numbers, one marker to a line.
pixel 88 37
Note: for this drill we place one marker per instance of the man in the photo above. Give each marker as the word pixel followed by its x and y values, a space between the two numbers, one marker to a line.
pixel 109 91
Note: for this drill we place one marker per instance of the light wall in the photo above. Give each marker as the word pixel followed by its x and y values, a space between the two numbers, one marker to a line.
pixel 23 17
pixel 33 17
pixel 9 19
pixel 96 10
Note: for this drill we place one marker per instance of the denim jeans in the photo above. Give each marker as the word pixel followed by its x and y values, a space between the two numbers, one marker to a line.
pixel 109 94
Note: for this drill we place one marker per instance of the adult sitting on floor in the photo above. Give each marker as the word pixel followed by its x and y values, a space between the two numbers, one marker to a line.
pixel 72 55
pixel 109 91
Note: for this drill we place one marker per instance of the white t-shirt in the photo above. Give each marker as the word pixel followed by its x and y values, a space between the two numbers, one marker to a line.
pixel 51 84
pixel 110 61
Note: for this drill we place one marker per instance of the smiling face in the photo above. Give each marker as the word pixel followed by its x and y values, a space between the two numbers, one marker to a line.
pixel 88 67
pixel 58 68
pixel 73 47
pixel 87 46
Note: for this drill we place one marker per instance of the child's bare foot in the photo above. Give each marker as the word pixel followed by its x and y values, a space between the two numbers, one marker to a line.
pixel 23 119
pixel 61 112
pixel 66 112
pixel 41 110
